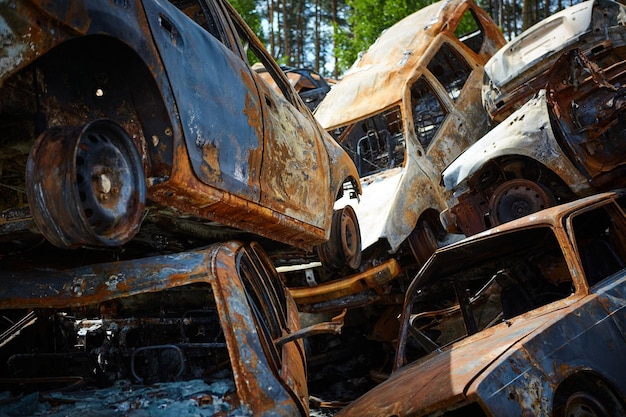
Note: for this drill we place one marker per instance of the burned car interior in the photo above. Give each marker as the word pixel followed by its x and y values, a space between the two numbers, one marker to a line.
pixel 151 322
pixel 377 143
pixel 505 277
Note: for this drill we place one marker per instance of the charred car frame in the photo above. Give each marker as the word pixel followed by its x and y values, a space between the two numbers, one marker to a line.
pixel 219 313
pixel 407 107
pixel 527 318
pixel 560 85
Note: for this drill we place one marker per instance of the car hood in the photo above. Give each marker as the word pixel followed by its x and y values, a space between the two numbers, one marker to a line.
pixel 441 379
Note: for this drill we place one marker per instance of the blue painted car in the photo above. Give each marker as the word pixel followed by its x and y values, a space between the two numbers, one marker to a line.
pixel 144 120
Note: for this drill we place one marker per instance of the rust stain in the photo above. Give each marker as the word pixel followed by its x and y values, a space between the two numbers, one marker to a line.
pixel 374 277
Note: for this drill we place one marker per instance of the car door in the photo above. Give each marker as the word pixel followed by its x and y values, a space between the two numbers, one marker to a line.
pixel 446 107
pixel 215 94
pixel 600 236
pixel 295 176
pixel 275 313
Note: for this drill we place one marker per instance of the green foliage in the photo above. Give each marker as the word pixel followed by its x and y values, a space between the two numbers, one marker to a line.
pixel 247 10
pixel 366 21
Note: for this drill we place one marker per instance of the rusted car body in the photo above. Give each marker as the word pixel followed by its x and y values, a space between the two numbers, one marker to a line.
pixel 408 106
pixel 147 112
pixel 525 319
pixel 565 76
pixel 88 336
pixel 518 70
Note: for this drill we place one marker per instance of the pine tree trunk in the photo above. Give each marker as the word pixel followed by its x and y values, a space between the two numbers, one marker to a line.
pixel 317 47
pixel 335 25
pixel 527 14
pixel 270 22
pixel 287 53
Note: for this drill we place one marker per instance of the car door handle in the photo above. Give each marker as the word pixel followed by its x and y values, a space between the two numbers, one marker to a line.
pixel 167 25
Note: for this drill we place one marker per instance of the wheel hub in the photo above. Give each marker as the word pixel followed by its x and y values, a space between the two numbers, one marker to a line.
pixel 86 186
pixel 518 198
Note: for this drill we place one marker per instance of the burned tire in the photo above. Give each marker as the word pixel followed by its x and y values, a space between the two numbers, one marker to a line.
pixel 593 403
pixel 343 249
pixel 518 198
pixel 423 241
pixel 85 185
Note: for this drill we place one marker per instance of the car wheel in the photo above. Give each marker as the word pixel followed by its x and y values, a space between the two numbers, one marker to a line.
pixel 343 249
pixel 518 198
pixel 423 241
pixel 587 404
pixel 85 185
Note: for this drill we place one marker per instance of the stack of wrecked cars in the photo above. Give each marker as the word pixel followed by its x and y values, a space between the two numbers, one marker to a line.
pixel 525 319
pixel 137 144
pixel 406 108
pixel 557 92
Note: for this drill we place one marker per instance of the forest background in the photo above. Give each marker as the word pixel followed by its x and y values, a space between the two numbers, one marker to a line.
pixel 327 35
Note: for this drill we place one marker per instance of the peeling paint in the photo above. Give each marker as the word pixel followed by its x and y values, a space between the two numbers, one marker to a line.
pixel 572 71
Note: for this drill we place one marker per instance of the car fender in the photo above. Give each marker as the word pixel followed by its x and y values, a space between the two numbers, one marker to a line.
pixel 527 133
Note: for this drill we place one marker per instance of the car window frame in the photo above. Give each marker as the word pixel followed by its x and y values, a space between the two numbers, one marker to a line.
pixel 427 79
pixel 217 17
pixel 459 37
pixel 424 278
pixel 269 316
pixel 248 40
pixel 615 212
pixel 446 44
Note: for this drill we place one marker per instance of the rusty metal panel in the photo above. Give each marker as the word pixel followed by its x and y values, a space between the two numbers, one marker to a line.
pixel 373 278
pixel 214 93
pixel 113 289
pixel 376 80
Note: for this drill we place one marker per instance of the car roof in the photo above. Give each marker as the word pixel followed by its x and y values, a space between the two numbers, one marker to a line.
pixel 97 283
pixel 376 79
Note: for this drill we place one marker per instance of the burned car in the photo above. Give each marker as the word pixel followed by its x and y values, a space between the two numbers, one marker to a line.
pixel 526 319
pixel 561 83
pixel 406 108
pixel 211 331
pixel 518 70
pixel 309 84
pixel 143 120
